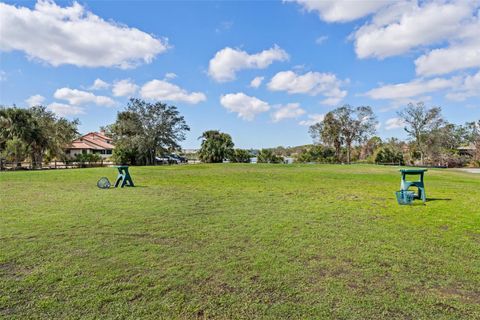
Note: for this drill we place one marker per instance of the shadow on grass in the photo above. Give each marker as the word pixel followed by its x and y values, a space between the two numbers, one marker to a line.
pixel 438 199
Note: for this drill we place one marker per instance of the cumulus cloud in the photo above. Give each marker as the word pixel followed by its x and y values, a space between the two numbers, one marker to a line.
pixel 124 88
pixel 72 35
pixel 413 88
pixel 291 110
pixel 470 87
pixel 35 100
pixel 226 62
pixel 462 54
pixel 312 119
pixel 341 10
pixel 78 97
pixel 406 25
pixel 245 106
pixel 163 90
pixel 311 83
pixel 99 84
pixel 256 82
pixel 65 110
pixel 394 123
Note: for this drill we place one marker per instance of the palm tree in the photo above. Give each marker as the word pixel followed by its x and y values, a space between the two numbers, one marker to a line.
pixel 216 146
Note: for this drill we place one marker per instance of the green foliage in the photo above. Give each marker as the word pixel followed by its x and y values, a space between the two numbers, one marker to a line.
pixel 387 154
pixel 15 150
pixel 126 152
pixel 420 122
pixel 40 131
pixel 88 157
pixel 145 130
pixel 317 153
pixel 268 156
pixel 216 146
pixel 240 156
pixel 345 126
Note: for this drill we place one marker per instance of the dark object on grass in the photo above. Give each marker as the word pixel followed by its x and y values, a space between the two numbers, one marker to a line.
pixel 123 178
pixel 405 197
pixel 103 183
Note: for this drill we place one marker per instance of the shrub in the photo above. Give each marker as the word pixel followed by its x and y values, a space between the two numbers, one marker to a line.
pixel 240 156
pixel 268 156
pixel 389 155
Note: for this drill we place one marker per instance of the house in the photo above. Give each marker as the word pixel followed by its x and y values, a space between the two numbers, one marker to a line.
pixel 93 142
pixel 467 150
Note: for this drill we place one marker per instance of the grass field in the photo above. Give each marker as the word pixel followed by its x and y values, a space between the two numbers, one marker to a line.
pixel 238 241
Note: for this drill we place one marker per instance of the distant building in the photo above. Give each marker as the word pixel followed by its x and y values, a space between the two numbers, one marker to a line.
pixel 467 150
pixel 190 151
pixel 93 142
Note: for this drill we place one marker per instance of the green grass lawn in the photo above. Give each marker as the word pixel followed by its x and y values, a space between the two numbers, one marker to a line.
pixel 238 241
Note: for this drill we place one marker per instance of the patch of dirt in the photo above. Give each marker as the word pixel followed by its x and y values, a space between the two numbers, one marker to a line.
pixel 463 295
pixel 349 197
pixel 474 236
pixel 13 270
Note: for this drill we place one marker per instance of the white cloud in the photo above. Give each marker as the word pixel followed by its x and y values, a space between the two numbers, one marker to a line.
pixel 64 110
pixel 412 89
pixel 463 55
pixel 402 102
pixel 394 123
pixel 99 84
pixel 163 90
pixel 170 75
pixel 470 87
pixel 226 62
pixel 72 35
pixel 247 107
pixel 256 82
pixel 341 10
pixel 321 39
pixel 312 83
pixel 124 88
pixel 36 100
pixel 291 110
pixel 406 25
pixel 78 97
pixel 312 119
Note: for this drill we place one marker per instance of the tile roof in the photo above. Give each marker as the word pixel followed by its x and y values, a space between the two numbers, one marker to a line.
pixel 77 144
pixel 92 140
pixel 98 142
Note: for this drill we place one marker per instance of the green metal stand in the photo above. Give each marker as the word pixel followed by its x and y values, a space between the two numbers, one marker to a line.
pixel 123 178
pixel 405 184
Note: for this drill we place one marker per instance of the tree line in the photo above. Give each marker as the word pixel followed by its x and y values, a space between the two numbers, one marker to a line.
pixel 432 139
pixel 35 134
pixel 144 131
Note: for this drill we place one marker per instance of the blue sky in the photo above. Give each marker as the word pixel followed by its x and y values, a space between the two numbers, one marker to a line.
pixel 307 58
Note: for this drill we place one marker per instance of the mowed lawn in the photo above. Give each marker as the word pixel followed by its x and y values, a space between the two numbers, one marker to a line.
pixel 238 241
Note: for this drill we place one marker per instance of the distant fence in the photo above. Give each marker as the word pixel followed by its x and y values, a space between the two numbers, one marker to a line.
pixel 30 165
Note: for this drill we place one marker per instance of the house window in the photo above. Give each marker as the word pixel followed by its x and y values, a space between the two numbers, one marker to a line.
pixel 109 151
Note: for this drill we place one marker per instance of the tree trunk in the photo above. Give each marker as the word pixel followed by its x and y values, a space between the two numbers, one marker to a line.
pixel 349 147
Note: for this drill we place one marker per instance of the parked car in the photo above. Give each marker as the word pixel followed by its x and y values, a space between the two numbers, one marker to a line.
pixel 178 158
pixel 171 159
